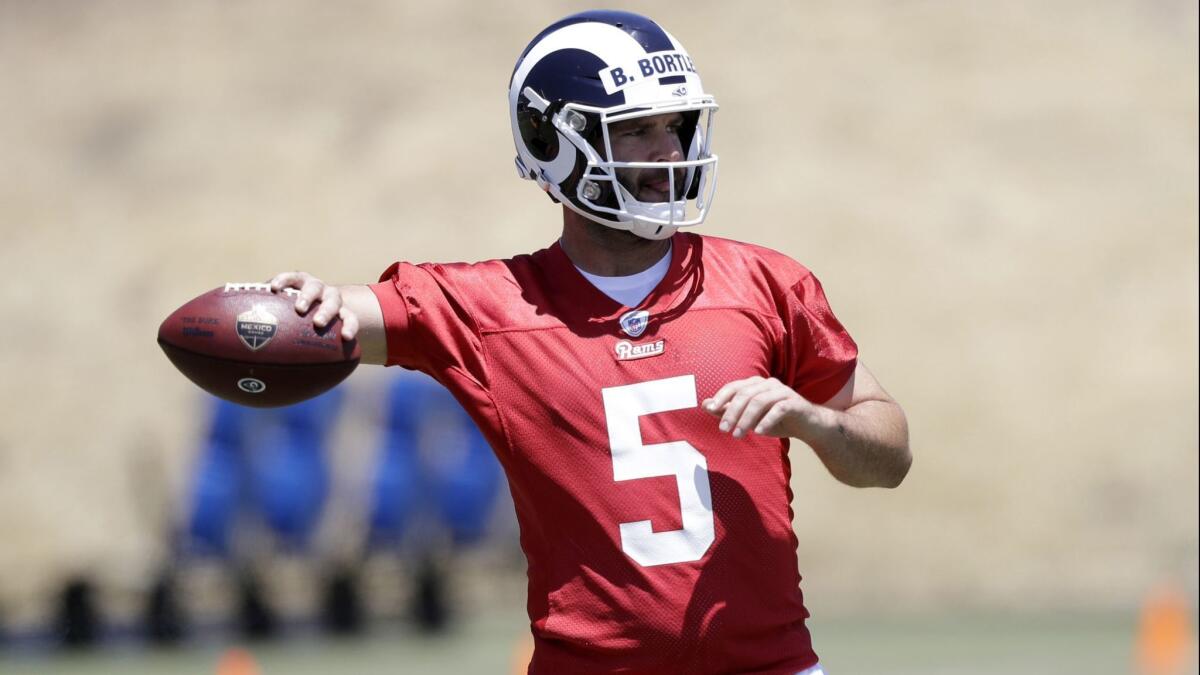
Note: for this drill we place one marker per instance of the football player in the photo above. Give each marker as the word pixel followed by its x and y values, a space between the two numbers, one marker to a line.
pixel 639 384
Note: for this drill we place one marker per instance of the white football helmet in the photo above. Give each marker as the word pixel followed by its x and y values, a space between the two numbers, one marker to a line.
pixel 586 72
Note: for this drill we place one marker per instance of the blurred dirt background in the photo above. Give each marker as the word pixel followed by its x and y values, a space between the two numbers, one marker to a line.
pixel 1000 198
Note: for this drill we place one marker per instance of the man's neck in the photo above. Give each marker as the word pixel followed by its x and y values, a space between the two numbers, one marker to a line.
pixel 606 251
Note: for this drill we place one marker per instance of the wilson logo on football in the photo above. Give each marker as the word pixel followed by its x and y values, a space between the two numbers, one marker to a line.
pixel 256 327
pixel 628 351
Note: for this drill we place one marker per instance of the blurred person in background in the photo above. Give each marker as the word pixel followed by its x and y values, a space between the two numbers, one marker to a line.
pixel 639 385
pixel 266 471
pixel 434 489
pixel 259 471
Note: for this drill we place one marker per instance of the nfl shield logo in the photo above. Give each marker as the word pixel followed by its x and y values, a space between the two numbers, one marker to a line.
pixel 256 327
pixel 634 323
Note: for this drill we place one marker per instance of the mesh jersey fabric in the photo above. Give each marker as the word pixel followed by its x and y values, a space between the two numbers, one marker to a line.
pixel 530 348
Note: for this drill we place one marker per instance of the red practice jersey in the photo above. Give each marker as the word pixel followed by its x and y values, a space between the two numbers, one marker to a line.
pixel 656 543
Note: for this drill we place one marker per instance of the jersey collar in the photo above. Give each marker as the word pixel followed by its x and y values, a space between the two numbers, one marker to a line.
pixel 581 301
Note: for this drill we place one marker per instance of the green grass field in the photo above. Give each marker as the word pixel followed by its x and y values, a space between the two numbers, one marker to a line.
pixel 943 645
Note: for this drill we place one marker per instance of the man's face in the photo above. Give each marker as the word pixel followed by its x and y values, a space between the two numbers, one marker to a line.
pixel 648 139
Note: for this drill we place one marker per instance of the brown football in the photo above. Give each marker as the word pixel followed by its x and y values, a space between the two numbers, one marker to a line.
pixel 248 345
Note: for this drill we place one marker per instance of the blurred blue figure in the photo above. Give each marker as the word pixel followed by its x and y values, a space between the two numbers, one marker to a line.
pixel 436 470
pixel 267 463
pixel 435 484
pixel 267 468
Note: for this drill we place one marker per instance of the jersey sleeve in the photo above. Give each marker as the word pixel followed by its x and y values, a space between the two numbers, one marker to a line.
pixel 428 326
pixel 821 354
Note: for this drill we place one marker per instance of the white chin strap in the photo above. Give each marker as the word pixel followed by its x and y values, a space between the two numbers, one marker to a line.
pixel 637 213
pixel 648 231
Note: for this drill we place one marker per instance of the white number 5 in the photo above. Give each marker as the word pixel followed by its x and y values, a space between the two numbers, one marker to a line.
pixel 631 460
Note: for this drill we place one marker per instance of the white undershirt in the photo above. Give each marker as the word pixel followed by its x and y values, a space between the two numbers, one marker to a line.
pixel 631 290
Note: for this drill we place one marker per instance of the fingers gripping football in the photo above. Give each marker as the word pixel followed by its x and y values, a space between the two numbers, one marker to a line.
pixel 328 299
pixel 763 405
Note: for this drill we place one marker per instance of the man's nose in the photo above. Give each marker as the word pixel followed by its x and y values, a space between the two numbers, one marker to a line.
pixel 667 147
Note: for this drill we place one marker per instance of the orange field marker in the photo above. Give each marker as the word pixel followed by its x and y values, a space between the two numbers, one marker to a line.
pixel 522 653
pixel 1164 638
pixel 237 661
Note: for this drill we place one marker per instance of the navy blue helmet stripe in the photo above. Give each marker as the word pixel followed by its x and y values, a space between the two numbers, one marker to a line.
pixel 649 35
pixel 572 75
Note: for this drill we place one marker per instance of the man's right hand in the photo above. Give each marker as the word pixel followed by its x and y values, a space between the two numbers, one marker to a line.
pixel 313 290
pixel 357 307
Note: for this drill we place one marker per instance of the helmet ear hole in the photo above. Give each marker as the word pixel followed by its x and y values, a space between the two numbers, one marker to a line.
pixel 538 132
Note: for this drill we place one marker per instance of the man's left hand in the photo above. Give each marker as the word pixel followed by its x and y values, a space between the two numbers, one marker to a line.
pixel 763 405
